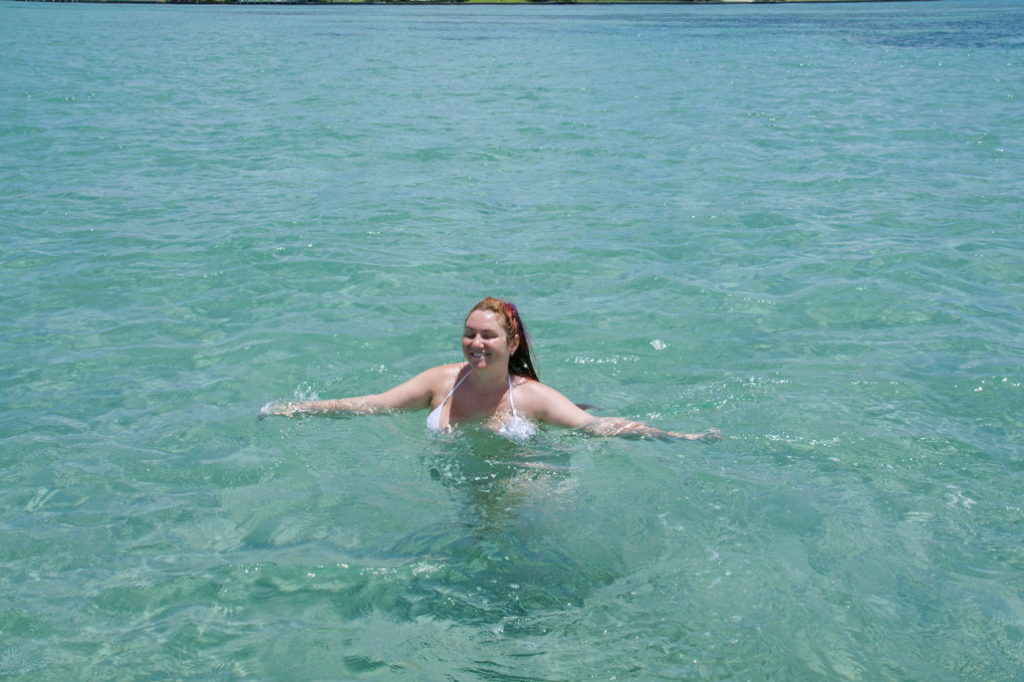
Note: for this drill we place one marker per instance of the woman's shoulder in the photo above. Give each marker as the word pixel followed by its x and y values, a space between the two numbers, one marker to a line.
pixel 535 390
pixel 443 373
pixel 446 370
pixel 547 404
pixel 518 380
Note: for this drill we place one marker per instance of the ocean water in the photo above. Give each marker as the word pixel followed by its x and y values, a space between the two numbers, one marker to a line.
pixel 800 224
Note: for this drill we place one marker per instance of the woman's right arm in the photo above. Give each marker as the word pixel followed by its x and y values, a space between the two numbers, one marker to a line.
pixel 414 394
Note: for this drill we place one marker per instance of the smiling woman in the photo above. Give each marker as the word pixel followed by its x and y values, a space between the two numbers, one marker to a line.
pixel 496 386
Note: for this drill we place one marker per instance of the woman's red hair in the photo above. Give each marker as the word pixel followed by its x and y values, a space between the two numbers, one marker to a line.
pixel 520 362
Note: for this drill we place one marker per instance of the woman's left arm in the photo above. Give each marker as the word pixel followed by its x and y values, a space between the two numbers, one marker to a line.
pixel 551 407
pixel 616 426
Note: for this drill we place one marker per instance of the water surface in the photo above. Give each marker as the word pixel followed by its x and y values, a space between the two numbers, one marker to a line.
pixel 799 224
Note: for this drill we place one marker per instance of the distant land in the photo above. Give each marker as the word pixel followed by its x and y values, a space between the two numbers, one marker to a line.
pixel 469 2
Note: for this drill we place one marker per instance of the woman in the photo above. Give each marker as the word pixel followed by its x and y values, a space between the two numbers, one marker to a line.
pixel 497 386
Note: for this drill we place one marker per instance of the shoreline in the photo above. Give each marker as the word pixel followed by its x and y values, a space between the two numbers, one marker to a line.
pixel 333 3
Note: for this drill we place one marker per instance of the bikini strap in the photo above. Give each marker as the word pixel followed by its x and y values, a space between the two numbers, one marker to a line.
pixel 511 402
pixel 456 386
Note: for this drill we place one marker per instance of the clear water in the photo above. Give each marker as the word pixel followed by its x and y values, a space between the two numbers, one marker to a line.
pixel 799 224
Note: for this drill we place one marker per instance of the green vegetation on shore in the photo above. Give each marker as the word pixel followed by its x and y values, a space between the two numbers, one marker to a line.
pixel 466 2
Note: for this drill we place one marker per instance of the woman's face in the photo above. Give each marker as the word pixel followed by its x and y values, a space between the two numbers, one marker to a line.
pixel 485 342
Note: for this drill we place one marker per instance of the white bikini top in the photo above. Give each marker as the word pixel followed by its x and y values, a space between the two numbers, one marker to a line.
pixel 434 418
pixel 517 427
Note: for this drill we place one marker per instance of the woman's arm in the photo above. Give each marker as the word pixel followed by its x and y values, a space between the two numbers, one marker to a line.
pixel 414 394
pixel 554 408
pixel 357 405
pixel 616 426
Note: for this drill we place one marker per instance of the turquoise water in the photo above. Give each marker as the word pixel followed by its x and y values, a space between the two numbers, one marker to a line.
pixel 799 224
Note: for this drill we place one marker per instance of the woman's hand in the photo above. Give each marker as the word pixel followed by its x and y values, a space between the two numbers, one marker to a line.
pixel 276 409
pixel 707 436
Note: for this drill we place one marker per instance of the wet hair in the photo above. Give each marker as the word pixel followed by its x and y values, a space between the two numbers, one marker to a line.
pixel 519 363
